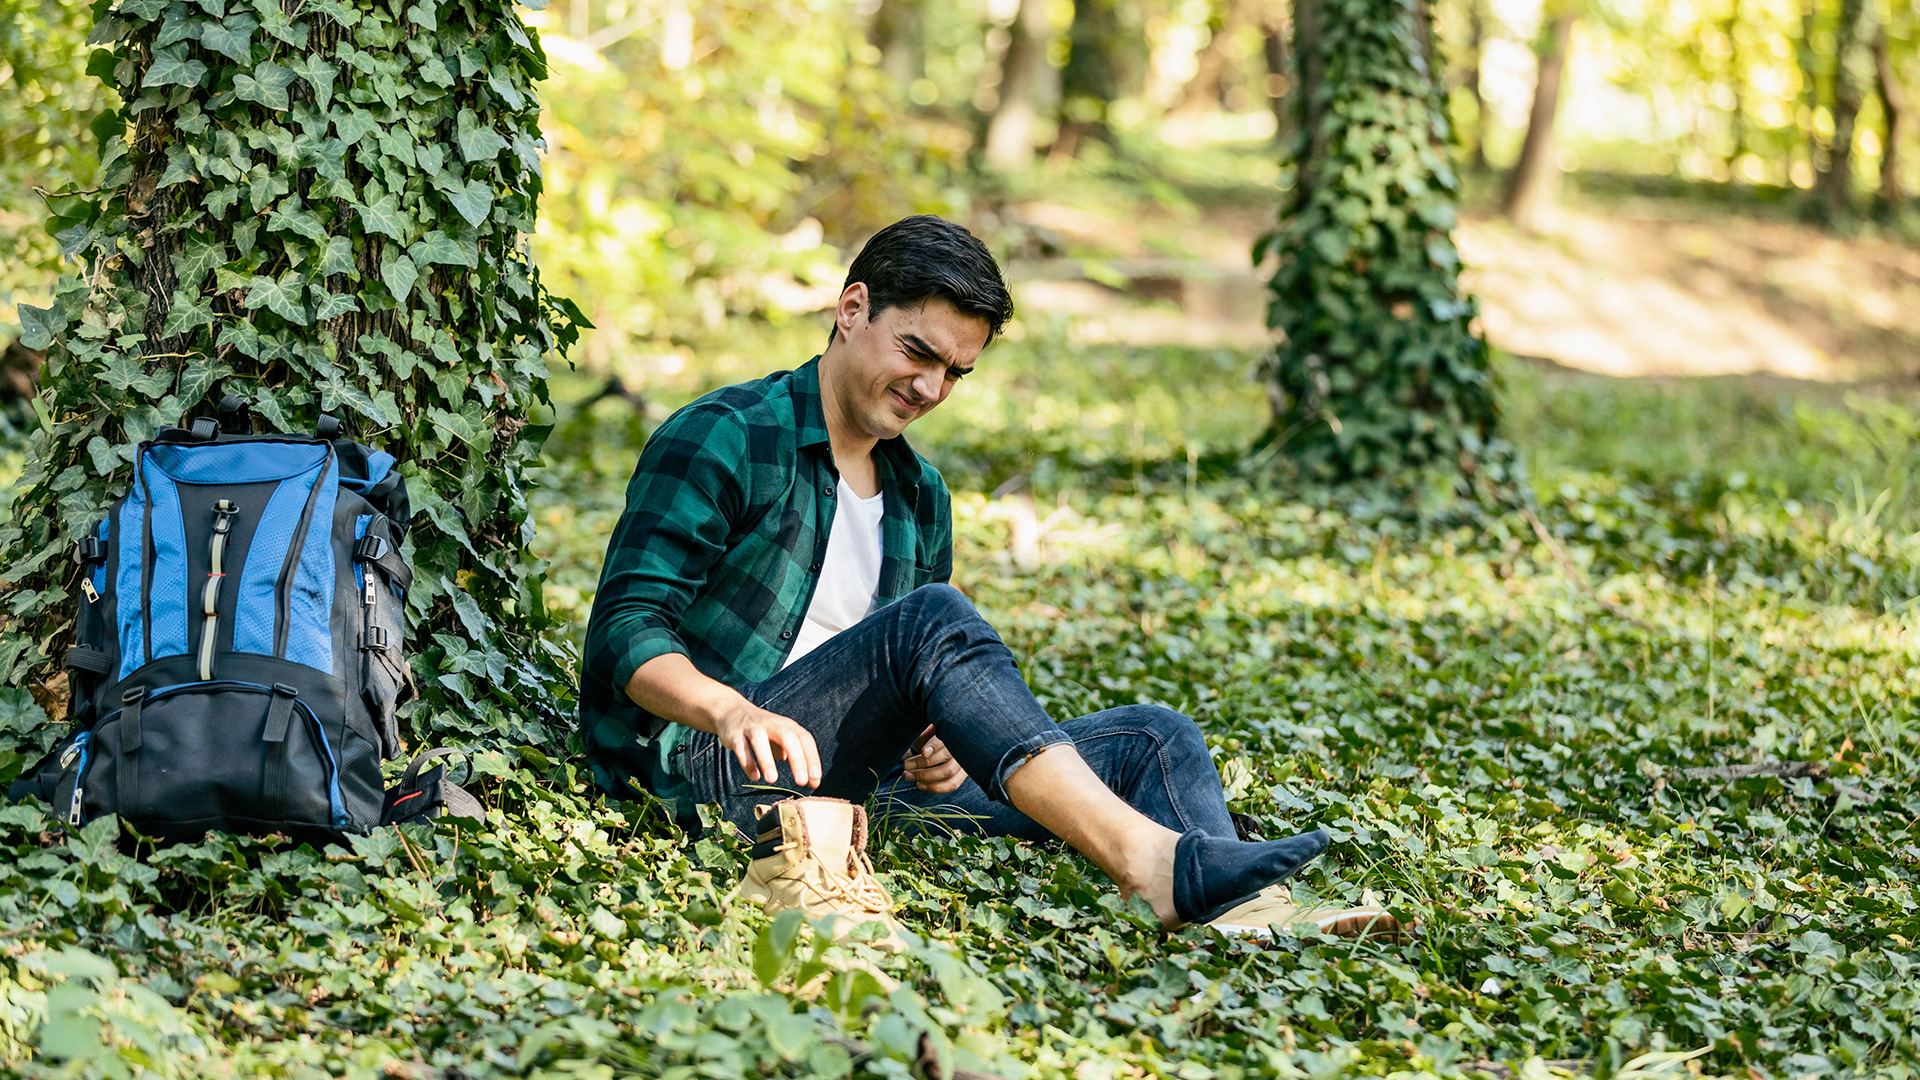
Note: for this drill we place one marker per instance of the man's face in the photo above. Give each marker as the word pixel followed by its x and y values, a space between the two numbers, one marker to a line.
pixel 899 365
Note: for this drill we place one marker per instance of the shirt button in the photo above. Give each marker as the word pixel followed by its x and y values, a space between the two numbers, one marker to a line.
pixel 827 492
pixel 785 635
pixel 814 569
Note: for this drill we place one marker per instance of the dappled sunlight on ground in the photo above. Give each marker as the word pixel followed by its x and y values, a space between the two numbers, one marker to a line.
pixel 1610 290
pixel 1625 295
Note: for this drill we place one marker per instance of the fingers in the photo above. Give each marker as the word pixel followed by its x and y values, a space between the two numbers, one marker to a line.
pixel 763 756
pixel 764 738
pixel 802 755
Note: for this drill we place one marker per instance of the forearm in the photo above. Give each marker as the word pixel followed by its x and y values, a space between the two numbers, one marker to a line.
pixel 670 687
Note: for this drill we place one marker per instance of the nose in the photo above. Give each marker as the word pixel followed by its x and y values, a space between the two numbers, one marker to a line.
pixel 926 386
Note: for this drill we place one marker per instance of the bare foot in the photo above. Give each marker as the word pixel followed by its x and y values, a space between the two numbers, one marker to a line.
pixel 1148 871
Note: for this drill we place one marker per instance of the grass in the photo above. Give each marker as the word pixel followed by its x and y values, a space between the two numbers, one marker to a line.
pixel 1505 737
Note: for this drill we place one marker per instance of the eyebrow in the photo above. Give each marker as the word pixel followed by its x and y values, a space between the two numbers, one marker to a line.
pixel 916 344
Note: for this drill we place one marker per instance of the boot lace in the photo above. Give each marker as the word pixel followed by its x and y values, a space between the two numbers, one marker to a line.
pixel 856 889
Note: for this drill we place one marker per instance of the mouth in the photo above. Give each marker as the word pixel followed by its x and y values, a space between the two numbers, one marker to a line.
pixel 902 405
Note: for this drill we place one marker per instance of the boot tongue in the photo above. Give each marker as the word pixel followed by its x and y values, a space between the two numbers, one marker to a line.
pixel 829 831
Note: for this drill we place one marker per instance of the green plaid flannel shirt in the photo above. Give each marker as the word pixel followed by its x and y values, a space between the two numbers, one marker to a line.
pixel 717 554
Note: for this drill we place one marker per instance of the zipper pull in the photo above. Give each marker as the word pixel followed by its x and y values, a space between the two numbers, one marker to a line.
pixel 368 591
pixel 68 755
pixel 73 810
pixel 86 587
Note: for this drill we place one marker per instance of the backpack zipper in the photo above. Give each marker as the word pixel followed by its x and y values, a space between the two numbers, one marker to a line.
pixel 223 514
pixel 77 750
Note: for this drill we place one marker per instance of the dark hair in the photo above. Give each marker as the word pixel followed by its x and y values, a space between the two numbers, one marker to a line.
pixel 925 258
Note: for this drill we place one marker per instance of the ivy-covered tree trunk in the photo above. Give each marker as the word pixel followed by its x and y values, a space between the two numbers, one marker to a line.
pixel 318 205
pixel 1378 369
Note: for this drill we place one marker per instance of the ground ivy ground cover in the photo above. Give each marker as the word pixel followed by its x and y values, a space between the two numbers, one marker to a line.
pixel 1507 737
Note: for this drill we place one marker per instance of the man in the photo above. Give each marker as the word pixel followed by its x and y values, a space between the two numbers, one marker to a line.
pixel 774 616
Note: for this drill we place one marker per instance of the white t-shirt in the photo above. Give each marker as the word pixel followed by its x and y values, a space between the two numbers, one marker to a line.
pixel 850 574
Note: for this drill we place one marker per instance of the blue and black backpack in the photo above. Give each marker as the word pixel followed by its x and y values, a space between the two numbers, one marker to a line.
pixel 239 640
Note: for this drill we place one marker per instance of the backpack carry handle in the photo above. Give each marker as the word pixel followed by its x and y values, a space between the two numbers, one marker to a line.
pixel 236 416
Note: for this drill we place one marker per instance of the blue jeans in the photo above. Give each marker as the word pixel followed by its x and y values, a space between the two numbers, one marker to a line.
pixel 867 693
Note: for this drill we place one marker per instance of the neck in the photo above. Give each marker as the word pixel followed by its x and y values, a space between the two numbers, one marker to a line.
pixel 849 444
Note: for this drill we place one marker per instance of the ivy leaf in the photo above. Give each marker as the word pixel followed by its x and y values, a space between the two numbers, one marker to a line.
pixel 266 86
pixel 434 70
pixel 338 258
pixel 398 272
pixel 221 199
pixel 38 325
pixel 431 158
pixel 240 334
pixel 336 391
pixel 506 91
pixel 471 200
pixel 102 455
pixel 144 10
pixel 179 166
pixel 179 25
pixel 422 15
pixel 232 38
pixel 438 247
pixel 478 142
pixel 291 216
pixel 354 125
pixel 396 143
pixel 171 67
pixel 327 305
pixel 264 187
pixel 189 310
pixel 285 297
pixel 215 8
pixel 319 74
pixel 198 254
pixel 384 217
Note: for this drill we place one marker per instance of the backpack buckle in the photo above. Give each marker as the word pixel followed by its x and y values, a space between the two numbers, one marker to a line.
pixel 370 548
pixel 90 549
pixel 374 639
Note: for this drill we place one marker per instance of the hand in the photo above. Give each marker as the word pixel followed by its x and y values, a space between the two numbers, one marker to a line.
pixel 758 737
pixel 931 767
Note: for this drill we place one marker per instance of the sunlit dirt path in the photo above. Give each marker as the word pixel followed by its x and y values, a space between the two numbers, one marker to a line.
pixel 1635 289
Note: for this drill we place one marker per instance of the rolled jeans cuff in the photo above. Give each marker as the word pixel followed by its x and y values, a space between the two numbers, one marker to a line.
pixel 1019 754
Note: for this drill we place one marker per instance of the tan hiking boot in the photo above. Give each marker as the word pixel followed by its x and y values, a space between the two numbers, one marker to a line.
pixel 1273 907
pixel 813 856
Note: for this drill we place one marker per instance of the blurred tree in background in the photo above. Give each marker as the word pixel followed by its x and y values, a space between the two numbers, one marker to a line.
pixel 46 102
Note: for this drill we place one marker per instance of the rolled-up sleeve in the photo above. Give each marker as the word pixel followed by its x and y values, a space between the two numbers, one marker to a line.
pixel 686 493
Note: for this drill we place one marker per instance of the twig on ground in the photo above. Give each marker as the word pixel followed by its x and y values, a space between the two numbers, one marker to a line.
pixel 1574 571
pixel 1785 770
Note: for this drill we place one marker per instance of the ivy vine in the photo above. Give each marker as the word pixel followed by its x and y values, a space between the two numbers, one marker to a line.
pixel 319 205
pixel 1379 369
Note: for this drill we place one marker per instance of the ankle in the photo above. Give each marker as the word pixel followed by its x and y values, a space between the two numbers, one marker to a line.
pixel 1145 865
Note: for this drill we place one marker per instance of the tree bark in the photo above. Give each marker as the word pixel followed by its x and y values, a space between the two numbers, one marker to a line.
pixel 1274 30
pixel 1850 80
pixel 896 32
pixel 1010 132
pixel 1531 186
pixel 1202 92
pixel 1818 159
pixel 1477 45
pixel 1312 71
pixel 1893 107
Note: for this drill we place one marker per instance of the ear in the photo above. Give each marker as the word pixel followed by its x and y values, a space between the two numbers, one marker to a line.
pixel 852 311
